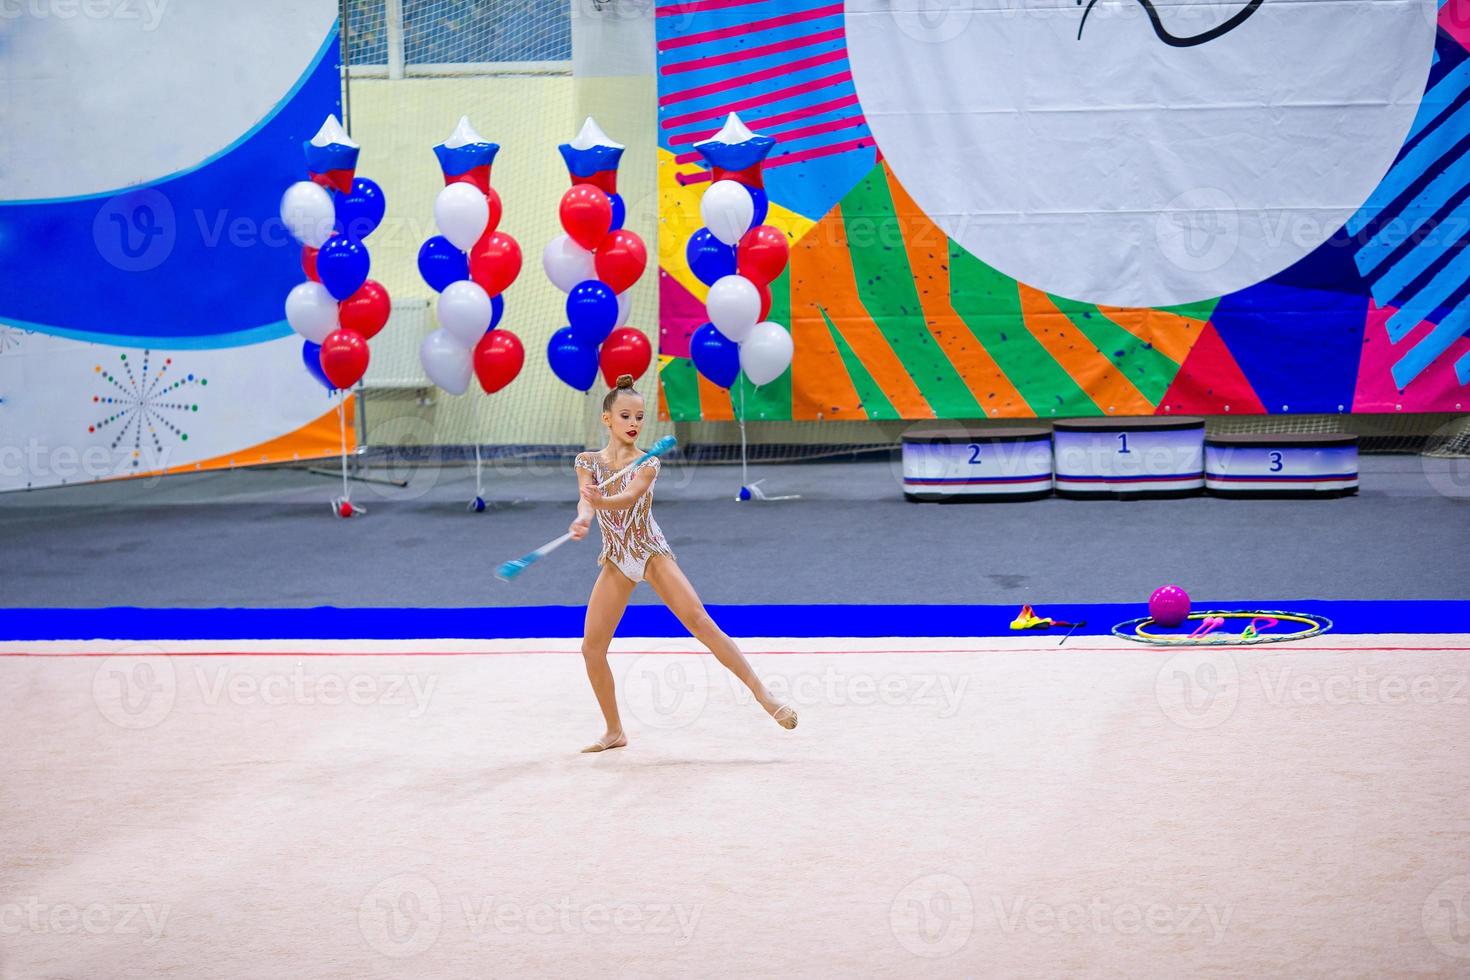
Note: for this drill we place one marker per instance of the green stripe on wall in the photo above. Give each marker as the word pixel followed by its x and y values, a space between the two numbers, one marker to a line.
pixel 771 401
pixel 885 283
pixel 991 307
pixel 1150 371
pixel 681 389
pixel 869 393
pixel 1195 311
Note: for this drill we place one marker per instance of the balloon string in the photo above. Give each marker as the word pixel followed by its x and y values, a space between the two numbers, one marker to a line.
pixel 479 486
pixel 744 470
pixel 342 428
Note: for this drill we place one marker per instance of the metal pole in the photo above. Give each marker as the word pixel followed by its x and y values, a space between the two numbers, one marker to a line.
pixel 346 68
pixel 393 16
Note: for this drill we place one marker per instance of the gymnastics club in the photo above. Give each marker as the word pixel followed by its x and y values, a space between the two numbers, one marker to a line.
pixel 515 566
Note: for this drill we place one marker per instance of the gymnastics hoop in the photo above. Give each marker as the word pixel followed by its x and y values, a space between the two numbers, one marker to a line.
pixel 1135 629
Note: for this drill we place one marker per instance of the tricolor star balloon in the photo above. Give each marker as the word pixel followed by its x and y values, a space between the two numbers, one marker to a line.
pixel 469 264
pixel 338 308
pixel 595 263
pixel 738 256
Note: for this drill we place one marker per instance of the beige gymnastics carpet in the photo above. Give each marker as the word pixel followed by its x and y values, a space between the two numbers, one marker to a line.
pixel 1103 811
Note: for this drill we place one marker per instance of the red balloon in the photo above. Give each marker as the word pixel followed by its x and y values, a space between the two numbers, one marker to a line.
pixel 344 357
pixel 625 351
pixel 496 210
pixel 498 359
pixel 308 263
pixel 620 259
pixel 495 262
pixel 365 311
pixel 586 215
pixel 765 294
pixel 762 254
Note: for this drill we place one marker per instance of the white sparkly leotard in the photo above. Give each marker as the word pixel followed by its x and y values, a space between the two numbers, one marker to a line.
pixel 629 537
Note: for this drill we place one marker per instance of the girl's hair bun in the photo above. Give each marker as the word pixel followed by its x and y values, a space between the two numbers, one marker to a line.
pixel 624 381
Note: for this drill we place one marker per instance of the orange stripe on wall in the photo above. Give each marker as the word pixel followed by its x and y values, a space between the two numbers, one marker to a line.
pixel 928 251
pixel 1170 334
pixel 316 439
pixel 714 401
pixel 1079 357
pixel 833 287
pixel 820 386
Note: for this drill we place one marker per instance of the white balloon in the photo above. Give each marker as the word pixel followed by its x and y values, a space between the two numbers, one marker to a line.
pixel 311 311
pixel 734 306
pixel 447 362
pixel 461 212
pixel 567 263
pixel 766 353
pixel 464 311
pixel 308 212
pixel 625 308
pixel 727 209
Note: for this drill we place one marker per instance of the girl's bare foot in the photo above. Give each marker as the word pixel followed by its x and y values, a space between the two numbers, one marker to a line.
pixel 784 714
pixel 611 740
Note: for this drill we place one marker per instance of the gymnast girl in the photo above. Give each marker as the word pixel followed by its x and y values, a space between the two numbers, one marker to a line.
pixel 634 550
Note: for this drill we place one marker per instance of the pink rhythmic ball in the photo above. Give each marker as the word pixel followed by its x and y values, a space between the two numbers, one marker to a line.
pixel 1169 605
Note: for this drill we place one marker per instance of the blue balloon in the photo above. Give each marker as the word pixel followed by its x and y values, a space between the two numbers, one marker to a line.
pixel 440 263
pixel 311 356
pixel 497 310
pixel 709 258
pixel 572 361
pixel 620 211
pixel 716 356
pixel 762 205
pixel 342 265
pixel 361 211
pixel 592 310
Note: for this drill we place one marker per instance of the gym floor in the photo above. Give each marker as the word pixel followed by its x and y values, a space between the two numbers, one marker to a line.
pixel 284 804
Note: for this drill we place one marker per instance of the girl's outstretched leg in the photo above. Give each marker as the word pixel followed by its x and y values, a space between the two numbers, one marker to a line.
pixel 668 580
pixel 604 610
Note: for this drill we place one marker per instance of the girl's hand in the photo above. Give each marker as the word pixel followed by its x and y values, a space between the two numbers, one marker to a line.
pixel 593 496
pixel 579 528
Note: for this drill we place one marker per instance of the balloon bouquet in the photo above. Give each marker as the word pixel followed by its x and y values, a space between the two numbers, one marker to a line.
pixel 338 308
pixel 737 257
pixel 595 263
pixel 469 264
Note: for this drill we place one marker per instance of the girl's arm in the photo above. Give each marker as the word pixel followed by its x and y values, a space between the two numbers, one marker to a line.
pixel 642 480
pixel 583 519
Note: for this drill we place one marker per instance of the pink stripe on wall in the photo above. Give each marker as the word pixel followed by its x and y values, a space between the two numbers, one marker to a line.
pixel 750 54
pixel 752 27
pixel 740 105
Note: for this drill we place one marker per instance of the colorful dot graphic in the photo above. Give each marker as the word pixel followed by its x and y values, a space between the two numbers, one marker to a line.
pixel 142 401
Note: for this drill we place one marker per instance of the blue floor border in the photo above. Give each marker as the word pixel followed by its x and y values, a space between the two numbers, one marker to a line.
pixel 522 622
